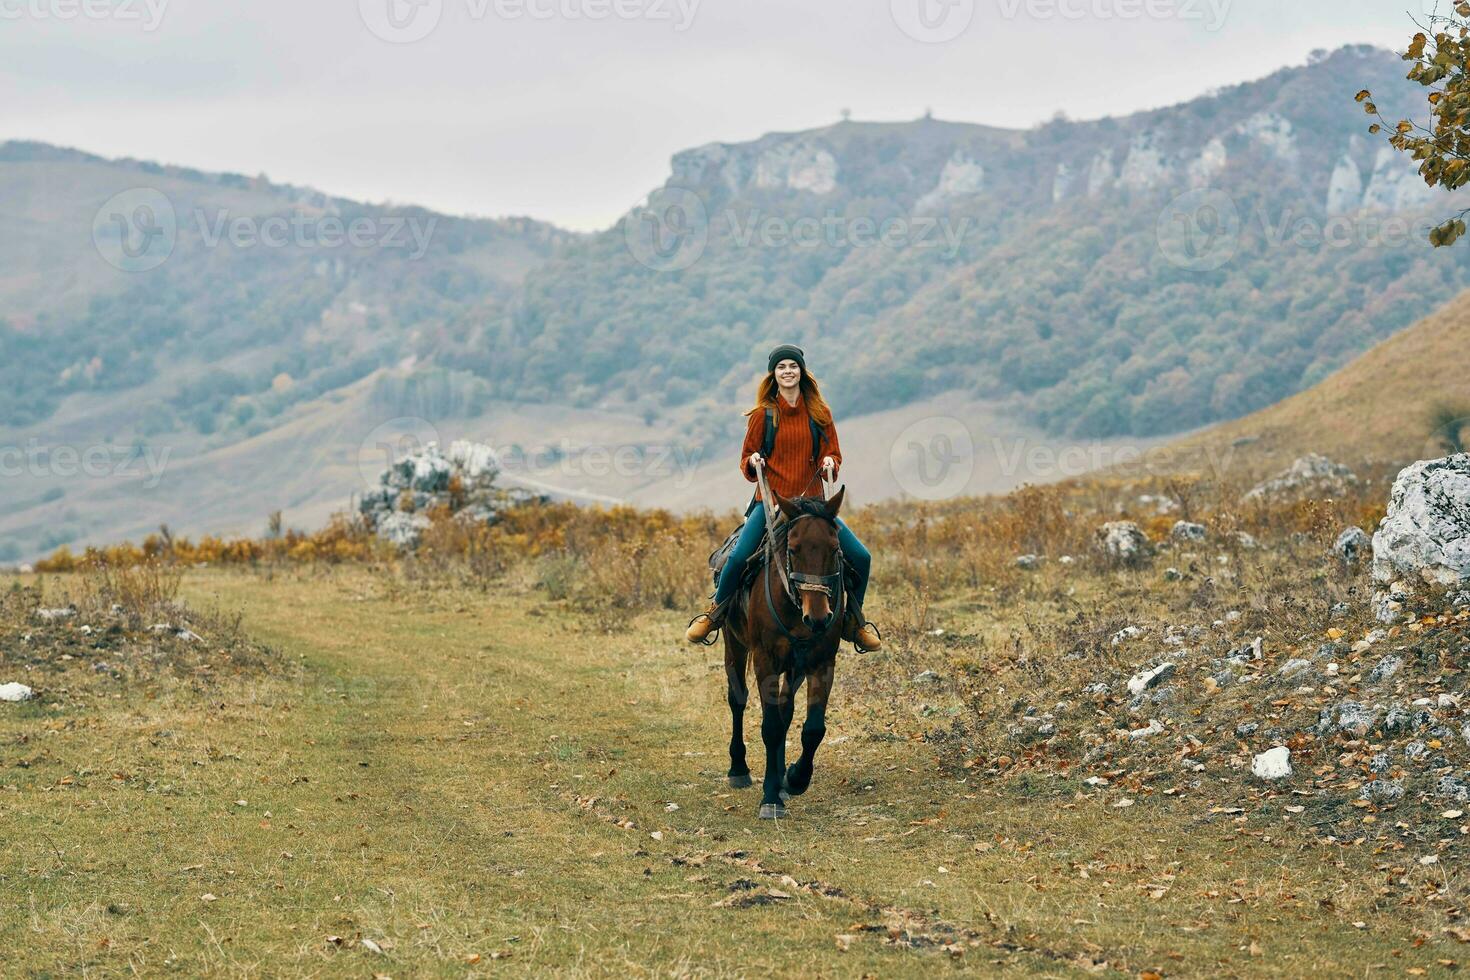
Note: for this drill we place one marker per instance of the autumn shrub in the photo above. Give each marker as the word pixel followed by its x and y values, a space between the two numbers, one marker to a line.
pixel 142 593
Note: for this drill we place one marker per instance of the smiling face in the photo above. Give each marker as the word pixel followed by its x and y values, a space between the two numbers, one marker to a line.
pixel 788 374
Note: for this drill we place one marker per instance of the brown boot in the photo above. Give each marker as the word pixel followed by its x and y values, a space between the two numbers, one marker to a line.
pixel 868 639
pixel 701 626
pixel 859 631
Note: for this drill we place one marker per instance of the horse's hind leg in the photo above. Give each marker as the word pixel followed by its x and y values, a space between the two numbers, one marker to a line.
pixel 737 695
pixel 818 689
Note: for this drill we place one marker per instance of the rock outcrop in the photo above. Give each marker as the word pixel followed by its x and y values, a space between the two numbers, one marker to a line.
pixel 1422 547
pixel 1309 475
pixel 460 482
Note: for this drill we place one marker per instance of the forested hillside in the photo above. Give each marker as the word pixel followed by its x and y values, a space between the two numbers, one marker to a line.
pixel 1082 285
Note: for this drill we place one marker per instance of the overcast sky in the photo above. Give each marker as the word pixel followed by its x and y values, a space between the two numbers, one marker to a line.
pixel 568 110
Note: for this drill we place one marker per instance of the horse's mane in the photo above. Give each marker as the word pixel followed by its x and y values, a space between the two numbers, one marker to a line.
pixel 810 507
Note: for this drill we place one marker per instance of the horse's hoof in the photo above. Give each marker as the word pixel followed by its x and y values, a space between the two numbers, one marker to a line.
pixel 785 796
pixel 740 782
pixel 772 811
pixel 789 789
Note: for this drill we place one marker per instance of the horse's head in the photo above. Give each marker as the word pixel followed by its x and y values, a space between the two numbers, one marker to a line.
pixel 813 557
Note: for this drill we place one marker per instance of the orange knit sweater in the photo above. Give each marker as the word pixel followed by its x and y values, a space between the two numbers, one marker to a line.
pixel 789 470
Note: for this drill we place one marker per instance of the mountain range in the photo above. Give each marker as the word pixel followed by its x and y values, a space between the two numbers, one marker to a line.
pixel 223 346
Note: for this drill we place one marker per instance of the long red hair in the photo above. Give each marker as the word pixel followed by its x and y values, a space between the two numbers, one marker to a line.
pixel 811 393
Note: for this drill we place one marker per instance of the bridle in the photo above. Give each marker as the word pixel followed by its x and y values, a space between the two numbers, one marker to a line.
pixel 794 582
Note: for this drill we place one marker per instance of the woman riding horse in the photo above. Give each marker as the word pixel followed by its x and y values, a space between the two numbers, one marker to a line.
pixel 800 415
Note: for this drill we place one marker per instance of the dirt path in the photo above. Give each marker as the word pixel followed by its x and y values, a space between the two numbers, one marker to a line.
pixel 526 777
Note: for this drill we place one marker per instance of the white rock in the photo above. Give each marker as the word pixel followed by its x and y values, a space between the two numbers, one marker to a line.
pixel 474 459
pixel 1423 543
pixel 1153 728
pixel 1272 131
pixel 1187 531
pixel 1273 763
pixel 1144 166
pixel 402 530
pixel 1211 161
pixel 1153 677
pixel 15 691
pixel 1345 188
pixel 1125 634
pixel 56 615
pixel 1293 668
pixel 1100 172
pixel 1061 183
pixel 1395 184
pixel 961 176
pixel 1123 542
pixel 1309 474
pixel 799 165
pixel 1352 544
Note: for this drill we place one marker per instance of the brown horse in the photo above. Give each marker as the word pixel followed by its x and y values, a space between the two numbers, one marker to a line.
pixel 789 625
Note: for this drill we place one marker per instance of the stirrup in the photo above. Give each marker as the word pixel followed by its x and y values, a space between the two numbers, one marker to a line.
pixel 716 615
pixel 709 638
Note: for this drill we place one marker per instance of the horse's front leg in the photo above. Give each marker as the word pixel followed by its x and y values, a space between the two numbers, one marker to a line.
pixel 776 708
pixel 818 689
pixel 736 695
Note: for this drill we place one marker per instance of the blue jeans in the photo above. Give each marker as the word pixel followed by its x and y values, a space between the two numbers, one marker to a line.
pixel 750 541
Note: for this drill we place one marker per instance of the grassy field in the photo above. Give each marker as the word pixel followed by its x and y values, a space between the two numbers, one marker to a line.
pixel 435 780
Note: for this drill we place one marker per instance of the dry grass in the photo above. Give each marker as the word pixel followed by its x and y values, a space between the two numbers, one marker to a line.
pixel 499 746
pixel 468 783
